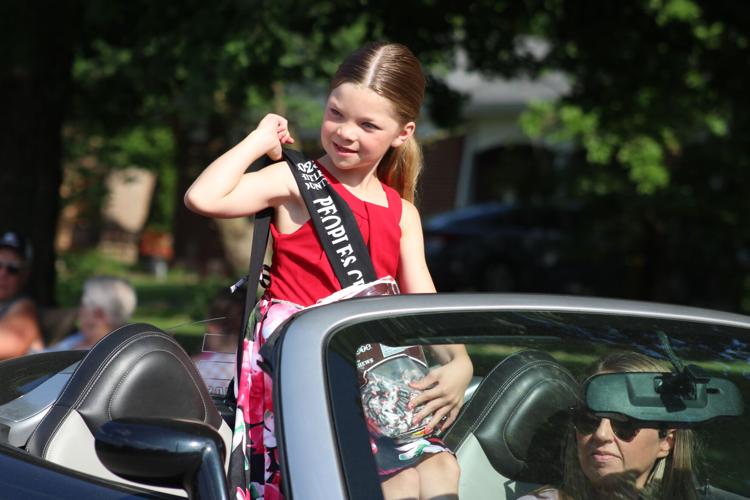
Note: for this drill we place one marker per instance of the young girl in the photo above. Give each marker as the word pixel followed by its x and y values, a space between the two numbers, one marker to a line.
pixel 372 160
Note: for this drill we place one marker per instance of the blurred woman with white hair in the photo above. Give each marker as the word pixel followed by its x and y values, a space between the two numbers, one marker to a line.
pixel 107 303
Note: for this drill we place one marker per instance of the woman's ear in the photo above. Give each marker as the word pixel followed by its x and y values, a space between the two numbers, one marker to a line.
pixel 406 132
pixel 666 443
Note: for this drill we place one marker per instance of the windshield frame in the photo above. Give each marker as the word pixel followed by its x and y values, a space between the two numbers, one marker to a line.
pixel 315 339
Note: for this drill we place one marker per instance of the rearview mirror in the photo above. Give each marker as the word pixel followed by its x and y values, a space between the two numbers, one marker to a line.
pixel 673 398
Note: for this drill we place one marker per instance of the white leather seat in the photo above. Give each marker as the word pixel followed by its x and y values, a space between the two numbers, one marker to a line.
pixel 508 437
pixel 135 371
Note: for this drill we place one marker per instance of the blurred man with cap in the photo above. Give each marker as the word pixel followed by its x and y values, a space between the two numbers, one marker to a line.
pixel 19 327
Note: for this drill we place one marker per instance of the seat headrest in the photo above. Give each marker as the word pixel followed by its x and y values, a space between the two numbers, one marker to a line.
pixel 519 414
pixel 135 371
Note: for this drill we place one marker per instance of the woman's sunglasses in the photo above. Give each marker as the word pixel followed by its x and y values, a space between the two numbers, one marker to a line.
pixel 587 423
pixel 10 267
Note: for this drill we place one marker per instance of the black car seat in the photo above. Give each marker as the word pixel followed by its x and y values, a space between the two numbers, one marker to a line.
pixel 509 436
pixel 135 371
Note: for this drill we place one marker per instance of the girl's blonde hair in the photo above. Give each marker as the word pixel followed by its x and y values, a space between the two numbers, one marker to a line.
pixel 672 477
pixel 393 72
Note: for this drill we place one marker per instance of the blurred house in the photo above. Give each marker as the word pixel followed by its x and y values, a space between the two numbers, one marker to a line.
pixel 492 158
pixel 126 211
pixel 115 227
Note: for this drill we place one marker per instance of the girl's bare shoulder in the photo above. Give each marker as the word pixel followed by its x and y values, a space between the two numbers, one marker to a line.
pixel 410 216
pixel 277 180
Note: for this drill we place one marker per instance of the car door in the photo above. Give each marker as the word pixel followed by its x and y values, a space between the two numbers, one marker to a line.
pixel 323 436
pixel 24 477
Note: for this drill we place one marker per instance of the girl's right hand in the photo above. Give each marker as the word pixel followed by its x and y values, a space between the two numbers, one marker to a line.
pixel 274 129
pixel 225 189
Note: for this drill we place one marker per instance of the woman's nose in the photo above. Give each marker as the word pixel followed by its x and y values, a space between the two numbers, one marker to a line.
pixel 604 430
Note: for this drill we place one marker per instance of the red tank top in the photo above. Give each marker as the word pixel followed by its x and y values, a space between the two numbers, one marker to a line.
pixel 300 271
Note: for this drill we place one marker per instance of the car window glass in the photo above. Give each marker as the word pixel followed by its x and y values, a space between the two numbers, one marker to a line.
pixel 21 375
pixel 574 341
pixel 215 354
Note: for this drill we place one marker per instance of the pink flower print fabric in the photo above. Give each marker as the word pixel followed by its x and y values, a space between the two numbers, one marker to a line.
pixel 253 465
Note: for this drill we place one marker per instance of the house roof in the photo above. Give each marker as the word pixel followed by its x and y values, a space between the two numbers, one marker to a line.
pixel 490 94
pixel 487 95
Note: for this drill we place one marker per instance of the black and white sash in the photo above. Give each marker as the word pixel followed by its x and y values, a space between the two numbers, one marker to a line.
pixel 334 223
pixel 335 227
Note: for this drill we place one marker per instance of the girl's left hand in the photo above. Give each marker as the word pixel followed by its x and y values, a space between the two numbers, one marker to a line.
pixel 442 393
pixel 275 130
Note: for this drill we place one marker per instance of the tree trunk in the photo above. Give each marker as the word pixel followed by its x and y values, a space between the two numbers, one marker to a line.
pixel 198 242
pixel 37 46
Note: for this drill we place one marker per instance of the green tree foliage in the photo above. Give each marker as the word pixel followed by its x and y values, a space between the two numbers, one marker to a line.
pixel 657 100
pixel 91 156
pixel 203 72
pixel 208 72
pixel 657 103
pixel 648 77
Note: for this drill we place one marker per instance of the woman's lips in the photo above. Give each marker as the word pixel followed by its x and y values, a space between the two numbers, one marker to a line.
pixel 603 456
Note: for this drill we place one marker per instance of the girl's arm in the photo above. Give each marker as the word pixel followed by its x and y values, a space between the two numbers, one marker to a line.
pixel 443 387
pixel 223 189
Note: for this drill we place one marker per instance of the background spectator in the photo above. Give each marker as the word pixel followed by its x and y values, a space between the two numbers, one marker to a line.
pixel 19 326
pixel 225 313
pixel 216 361
pixel 106 304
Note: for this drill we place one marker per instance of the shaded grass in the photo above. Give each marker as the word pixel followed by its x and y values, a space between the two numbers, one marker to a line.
pixel 177 306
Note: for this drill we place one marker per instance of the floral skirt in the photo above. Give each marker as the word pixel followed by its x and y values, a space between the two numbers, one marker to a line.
pixel 254 461
pixel 254 471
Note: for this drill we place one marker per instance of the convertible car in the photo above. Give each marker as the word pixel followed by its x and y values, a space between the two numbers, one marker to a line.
pixel 133 418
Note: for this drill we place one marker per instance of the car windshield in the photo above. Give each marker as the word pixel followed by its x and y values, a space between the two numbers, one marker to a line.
pixel 524 414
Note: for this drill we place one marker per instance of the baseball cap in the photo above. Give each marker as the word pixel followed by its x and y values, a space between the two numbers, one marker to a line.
pixel 16 241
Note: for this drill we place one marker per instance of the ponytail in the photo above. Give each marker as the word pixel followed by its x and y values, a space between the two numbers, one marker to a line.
pixel 400 168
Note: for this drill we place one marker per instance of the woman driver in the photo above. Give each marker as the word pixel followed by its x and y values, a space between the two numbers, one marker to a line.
pixel 615 458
